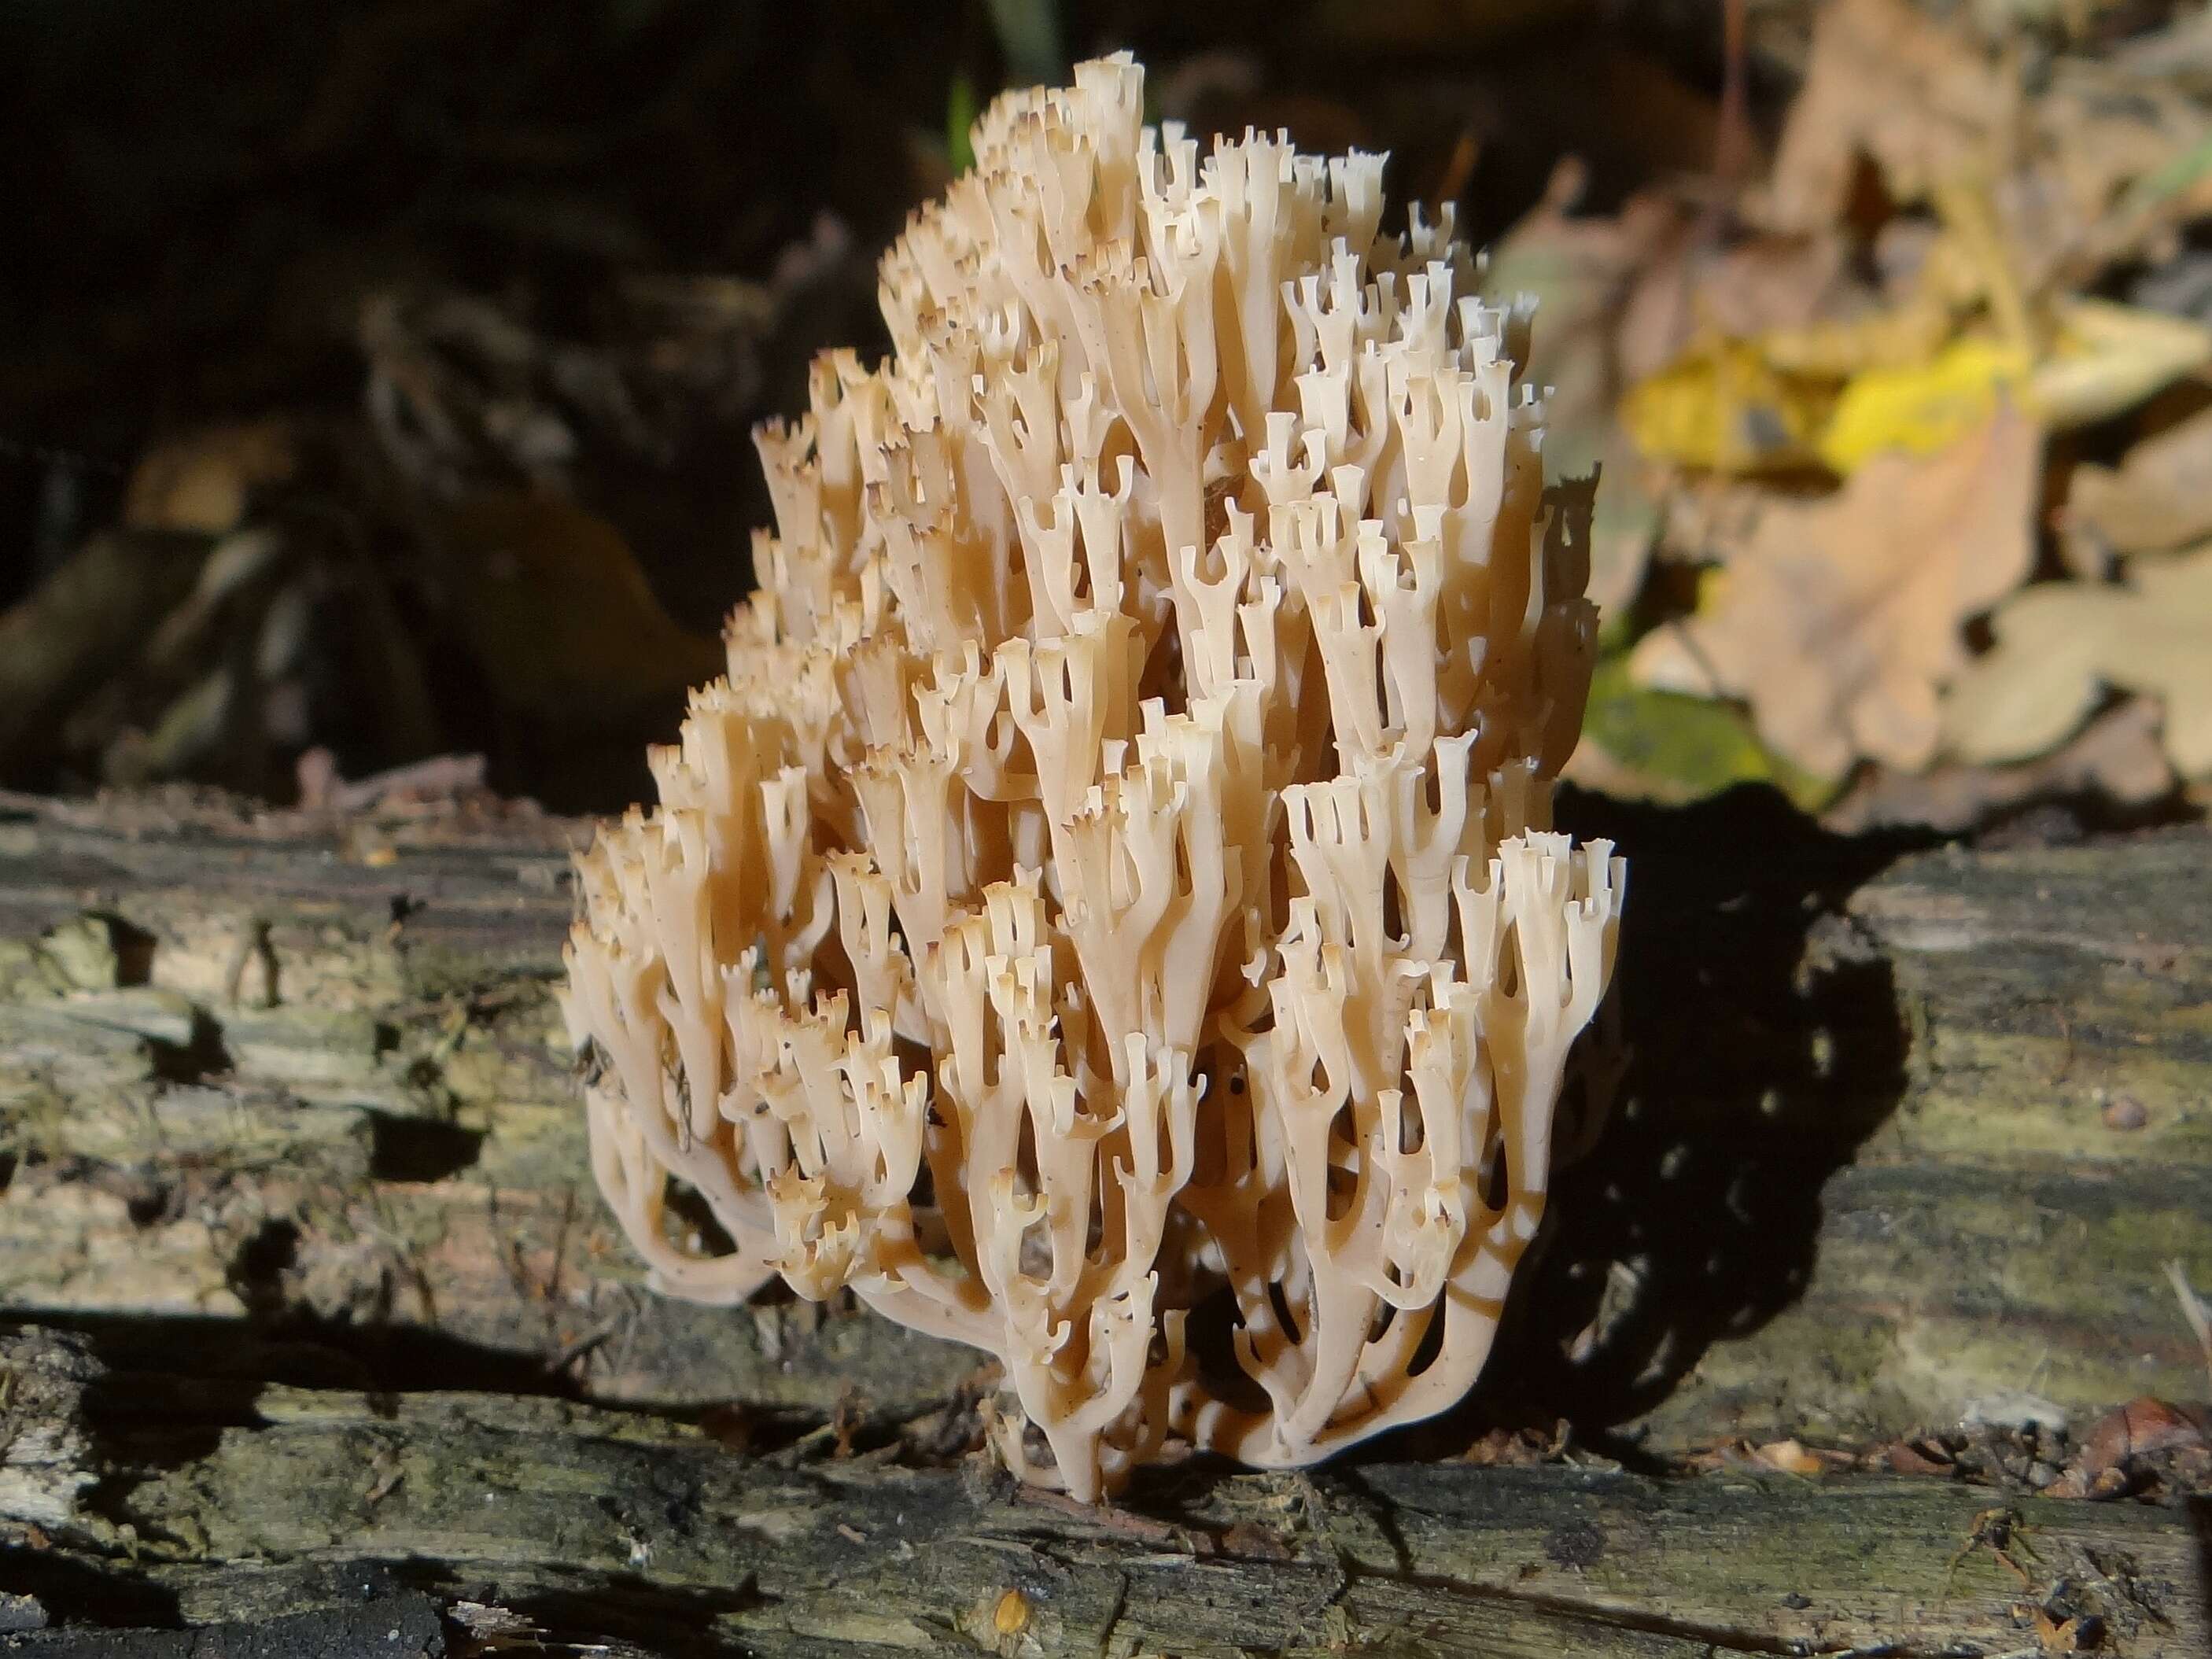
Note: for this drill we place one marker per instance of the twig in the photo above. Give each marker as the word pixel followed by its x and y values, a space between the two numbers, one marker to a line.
pixel 570 1353
pixel 2192 1310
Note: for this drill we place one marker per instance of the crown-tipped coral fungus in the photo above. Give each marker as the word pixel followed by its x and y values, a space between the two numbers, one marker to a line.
pixel 1112 893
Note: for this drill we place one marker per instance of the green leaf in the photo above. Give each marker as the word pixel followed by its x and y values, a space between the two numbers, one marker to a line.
pixel 1684 747
pixel 959 122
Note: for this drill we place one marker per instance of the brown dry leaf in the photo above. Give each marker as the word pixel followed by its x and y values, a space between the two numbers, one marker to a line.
pixel 202 484
pixel 1761 286
pixel 2160 497
pixel 2059 645
pixel 1886 82
pixel 1767 282
pixel 2116 757
pixel 1914 1458
pixel 1838 620
pixel 2088 171
pixel 2142 1428
pixel 1789 1457
pixel 2055 1636
pixel 1518 1449
pixel 2108 358
pixel 2122 167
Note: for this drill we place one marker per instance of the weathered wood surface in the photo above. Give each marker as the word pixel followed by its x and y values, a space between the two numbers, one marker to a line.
pixel 289 1135
pixel 1862 1174
pixel 199 1504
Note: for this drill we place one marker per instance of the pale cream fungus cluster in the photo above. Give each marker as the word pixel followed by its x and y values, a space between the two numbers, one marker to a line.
pixel 1112 894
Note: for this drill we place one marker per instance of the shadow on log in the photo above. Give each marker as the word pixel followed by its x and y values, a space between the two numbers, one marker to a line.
pixel 1765 1043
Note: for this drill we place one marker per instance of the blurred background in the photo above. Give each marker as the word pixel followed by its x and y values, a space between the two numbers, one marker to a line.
pixel 374 399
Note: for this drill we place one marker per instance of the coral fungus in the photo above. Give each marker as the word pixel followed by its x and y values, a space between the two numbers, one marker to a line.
pixel 1112 894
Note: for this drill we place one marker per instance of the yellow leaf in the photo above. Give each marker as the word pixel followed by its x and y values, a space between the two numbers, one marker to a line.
pixel 1921 408
pixel 1723 406
pixel 2108 358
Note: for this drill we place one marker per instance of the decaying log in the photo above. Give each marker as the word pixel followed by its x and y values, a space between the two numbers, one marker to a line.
pixel 248 1503
pixel 320 1305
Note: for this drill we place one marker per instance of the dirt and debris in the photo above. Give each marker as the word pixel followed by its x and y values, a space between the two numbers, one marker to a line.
pixel 2148 1448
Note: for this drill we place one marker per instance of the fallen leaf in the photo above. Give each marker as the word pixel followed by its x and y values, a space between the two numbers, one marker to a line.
pixel 1887 83
pixel 1759 286
pixel 2158 498
pixel 1640 744
pixel 1788 1457
pixel 1921 408
pixel 1766 281
pixel 1697 337
pixel 1723 406
pixel 2123 161
pixel 2092 170
pixel 2110 357
pixel 1519 1449
pixel 2116 757
pixel 1746 405
pixel 1839 620
pixel 2142 1428
pixel 204 482
pixel 2059 645
pixel 1909 330
pixel 2056 1636
pixel 1579 270
pixel 1905 1457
